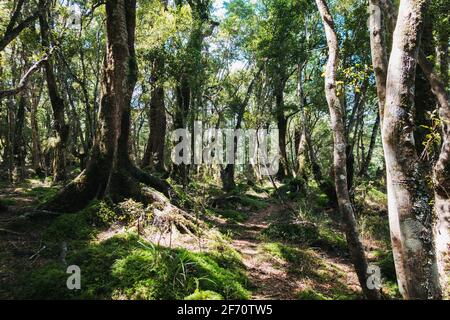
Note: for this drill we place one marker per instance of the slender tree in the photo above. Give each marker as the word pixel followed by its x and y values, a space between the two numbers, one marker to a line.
pixel 340 171
pixel 60 127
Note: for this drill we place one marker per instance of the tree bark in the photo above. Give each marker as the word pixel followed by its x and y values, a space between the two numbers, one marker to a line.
pixel 409 211
pixel 355 246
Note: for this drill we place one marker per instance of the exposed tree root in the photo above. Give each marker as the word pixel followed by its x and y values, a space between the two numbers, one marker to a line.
pixel 166 216
pixel 94 183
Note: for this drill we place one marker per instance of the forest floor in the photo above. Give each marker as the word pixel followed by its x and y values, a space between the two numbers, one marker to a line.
pixel 256 246
pixel 280 271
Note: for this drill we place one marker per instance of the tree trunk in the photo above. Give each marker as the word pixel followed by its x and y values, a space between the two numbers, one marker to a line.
pixel 340 171
pixel 110 171
pixel 409 211
pixel 373 139
pixel 154 153
pixel 19 151
pixel 36 154
pixel 227 173
pixel 59 123
pixel 282 122
pixel 379 53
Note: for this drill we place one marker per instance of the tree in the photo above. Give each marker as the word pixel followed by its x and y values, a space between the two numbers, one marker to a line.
pixel 339 153
pixel 59 123
pixel 15 26
pixel 110 171
pixel 409 211
pixel 154 152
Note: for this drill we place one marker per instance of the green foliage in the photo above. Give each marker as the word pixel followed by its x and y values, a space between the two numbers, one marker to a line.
pixel 100 213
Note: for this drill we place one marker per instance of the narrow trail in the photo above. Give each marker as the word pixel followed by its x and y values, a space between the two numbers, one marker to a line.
pixel 270 281
pixel 269 277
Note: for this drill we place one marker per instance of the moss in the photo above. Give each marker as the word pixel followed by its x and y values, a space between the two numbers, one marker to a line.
pixel 204 295
pixel 375 227
pixel 311 294
pixel 42 194
pixel 47 282
pixel 376 195
pixel 69 227
pixel 126 266
pixel 331 239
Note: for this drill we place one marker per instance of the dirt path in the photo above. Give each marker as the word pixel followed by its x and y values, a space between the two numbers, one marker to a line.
pixel 270 281
pixel 270 277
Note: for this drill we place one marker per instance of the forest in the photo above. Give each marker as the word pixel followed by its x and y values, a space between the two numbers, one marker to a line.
pixel 224 150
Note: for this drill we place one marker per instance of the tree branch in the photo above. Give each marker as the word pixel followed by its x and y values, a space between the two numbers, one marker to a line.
pixel 25 78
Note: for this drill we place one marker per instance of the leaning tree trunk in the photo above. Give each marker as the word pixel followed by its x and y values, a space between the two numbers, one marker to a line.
pixel 409 210
pixel 110 171
pixel 340 171
pixel 59 124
